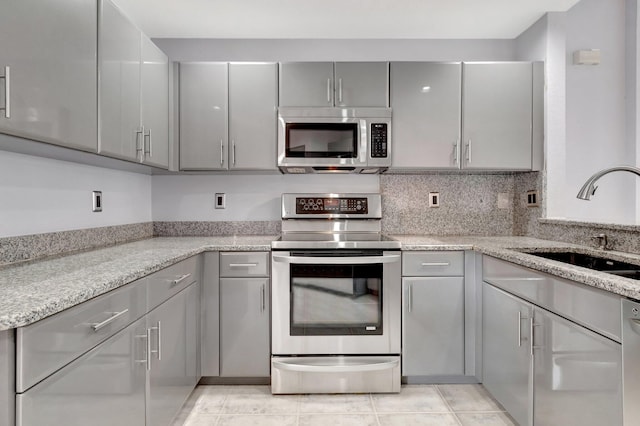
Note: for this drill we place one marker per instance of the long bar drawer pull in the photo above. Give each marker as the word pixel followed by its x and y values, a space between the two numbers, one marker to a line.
pixel 147 355
pixel 336 368
pixel 357 260
pixel 435 264
pixel 243 265
pixel 179 280
pixel 114 315
pixel 7 92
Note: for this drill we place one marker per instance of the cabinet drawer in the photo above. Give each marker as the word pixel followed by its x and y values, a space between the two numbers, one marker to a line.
pixel 244 264
pixel 591 307
pixel 433 264
pixel 169 281
pixel 47 345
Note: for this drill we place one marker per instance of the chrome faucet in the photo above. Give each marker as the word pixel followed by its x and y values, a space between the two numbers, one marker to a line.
pixel 589 187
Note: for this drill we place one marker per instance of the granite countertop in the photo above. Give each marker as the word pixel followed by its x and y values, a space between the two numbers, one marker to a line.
pixel 33 291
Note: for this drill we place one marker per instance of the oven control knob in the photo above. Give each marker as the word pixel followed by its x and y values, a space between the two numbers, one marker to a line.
pixel 358 207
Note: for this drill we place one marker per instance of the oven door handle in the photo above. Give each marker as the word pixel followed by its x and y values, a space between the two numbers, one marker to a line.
pixel 336 368
pixel 347 260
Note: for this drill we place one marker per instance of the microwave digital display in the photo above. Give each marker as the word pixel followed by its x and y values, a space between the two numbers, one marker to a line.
pixel 322 140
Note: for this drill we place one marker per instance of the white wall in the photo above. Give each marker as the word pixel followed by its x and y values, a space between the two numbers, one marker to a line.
pixel 39 195
pixel 248 197
pixel 596 113
pixel 335 50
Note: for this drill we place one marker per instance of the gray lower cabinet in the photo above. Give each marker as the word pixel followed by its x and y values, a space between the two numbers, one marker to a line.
pixel 173 372
pixel 48 63
pixel 244 327
pixel 506 353
pixel 551 368
pixel 106 386
pixel 245 347
pixel 433 315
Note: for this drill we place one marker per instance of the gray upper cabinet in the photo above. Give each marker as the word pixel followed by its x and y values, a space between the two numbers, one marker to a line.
pixel 228 116
pixel 120 132
pixel 253 106
pixel 48 64
pixel 497 122
pixel 134 92
pixel 203 116
pixel 325 84
pixel 474 116
pixel 155 104
pixel 426 101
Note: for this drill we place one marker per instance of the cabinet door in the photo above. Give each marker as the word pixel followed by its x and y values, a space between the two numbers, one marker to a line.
pixel 253 105
pixel 433 326
pixel 362 84
pixel 106 386
pixel 578 374
pixel 506 352
pixel 497 120
pixel 426 100
pixel 306 84
pixel 49 47
pixel 120 132
pixel 155 104
pixel 244 327
pixel 169 381
pixel 203 115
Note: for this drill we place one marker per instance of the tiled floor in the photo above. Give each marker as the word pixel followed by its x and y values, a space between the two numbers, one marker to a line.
pixel 419 405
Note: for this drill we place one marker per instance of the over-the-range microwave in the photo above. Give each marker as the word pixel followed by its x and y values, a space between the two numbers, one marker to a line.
pixel 334 140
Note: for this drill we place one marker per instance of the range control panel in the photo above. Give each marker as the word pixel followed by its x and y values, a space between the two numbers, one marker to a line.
pixel 319 205
pixel 379 140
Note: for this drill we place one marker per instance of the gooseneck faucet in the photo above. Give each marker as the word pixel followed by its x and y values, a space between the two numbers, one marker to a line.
pixel 589 187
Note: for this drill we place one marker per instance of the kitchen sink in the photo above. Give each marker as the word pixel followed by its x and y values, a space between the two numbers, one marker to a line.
pixel 609 266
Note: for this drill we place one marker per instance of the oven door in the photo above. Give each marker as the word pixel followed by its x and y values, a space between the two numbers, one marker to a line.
pixel 337 302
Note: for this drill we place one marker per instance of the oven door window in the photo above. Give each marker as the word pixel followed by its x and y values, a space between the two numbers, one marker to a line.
pixel 335 299
pixel 322 140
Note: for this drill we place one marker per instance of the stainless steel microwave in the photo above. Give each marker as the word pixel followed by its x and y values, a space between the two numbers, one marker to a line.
pixel 334 140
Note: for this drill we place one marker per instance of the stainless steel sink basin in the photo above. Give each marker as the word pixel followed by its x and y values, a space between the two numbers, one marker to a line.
pixel 609 266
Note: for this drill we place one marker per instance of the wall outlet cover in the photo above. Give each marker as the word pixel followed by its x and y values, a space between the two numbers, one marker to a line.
pixel 434 199
pixel 503 200
pixel 220 200
pixel 97 201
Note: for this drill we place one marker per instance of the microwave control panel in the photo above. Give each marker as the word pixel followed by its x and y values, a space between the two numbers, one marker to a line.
pixel 309 205
pixel 379 140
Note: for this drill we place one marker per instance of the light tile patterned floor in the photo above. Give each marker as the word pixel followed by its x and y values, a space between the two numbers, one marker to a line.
pixel 415 405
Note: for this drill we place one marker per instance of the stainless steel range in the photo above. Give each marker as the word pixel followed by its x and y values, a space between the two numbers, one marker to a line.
pixel 336 297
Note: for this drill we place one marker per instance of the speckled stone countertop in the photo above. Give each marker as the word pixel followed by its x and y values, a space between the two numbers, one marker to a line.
pixel 33 291
pixel 513 249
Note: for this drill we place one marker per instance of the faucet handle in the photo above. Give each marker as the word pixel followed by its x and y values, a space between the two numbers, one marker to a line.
pixel 602 241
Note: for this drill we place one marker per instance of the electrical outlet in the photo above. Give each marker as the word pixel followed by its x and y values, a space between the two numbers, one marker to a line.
pixel 97 201
pixel 220 200
pixel 533 200
pixel 434 199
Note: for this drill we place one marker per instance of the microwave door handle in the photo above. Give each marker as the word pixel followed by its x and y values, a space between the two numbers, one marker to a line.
pixel 357 260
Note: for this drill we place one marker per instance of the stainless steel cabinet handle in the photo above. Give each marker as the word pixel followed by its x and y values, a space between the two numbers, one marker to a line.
pixel 435 264
pixel 455 152
pixel 340 90
pixel 363 260
pixel 233 152
pixel 410 298
pixel 7 92
pixel 148 349
pixel 179 280
pixel 520 318
pixel 158 350
pixel 263 298
pixel 243 265
pixel 113 317
pixel 469 152
pixel 139 144
pixel 221 152
pixel 147 137
pixel 328 90
pixel 532 325
pixel 147 353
